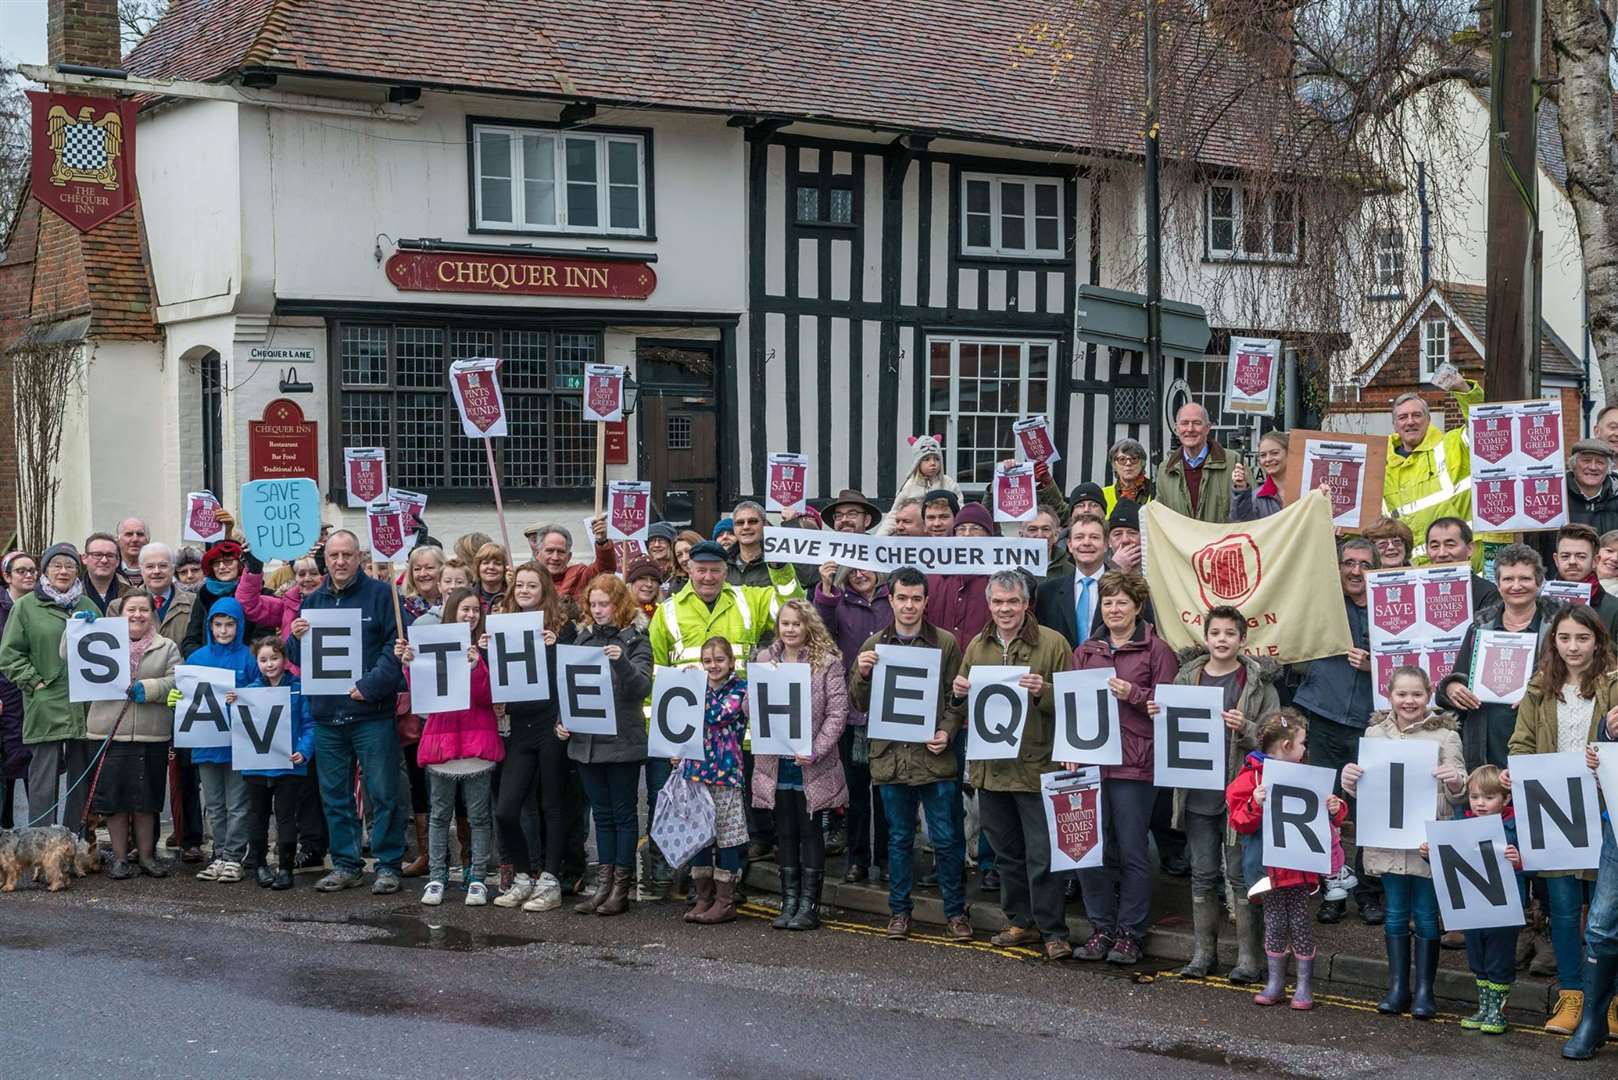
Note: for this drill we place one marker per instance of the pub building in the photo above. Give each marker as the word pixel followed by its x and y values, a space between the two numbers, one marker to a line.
pixel 795 237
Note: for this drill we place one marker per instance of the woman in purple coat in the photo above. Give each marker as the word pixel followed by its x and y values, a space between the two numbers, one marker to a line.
pixel 20 571
pixel 852 614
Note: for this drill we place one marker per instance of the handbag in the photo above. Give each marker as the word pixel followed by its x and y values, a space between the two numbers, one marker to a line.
pixel 684 823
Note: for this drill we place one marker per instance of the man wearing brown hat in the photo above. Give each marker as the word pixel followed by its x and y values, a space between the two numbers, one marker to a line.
pixel 852 512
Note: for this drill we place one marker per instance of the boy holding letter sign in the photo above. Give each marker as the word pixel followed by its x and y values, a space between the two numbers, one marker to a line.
pixel 1477 885
pixel 200 718
pixel 1389 849
pixel 1188 739
pixel 1247 688
pixel 911 762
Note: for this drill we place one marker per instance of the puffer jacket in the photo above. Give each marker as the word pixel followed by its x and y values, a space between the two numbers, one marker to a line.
pixel 1438 727
pixel 824 785
pixel 911 764
pixel 1247 818
pixel 1144 661
pixel 1535 732
pixel 150 720
pixel 1043 652
pixel 467 733
pixel 1258 698
pixel 631 683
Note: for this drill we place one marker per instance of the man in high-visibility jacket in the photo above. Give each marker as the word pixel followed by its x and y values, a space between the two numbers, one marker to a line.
pixel 1429 472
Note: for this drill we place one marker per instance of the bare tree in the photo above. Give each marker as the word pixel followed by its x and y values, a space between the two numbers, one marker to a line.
pixel 137 17
pixel 45 379
pixel 14 144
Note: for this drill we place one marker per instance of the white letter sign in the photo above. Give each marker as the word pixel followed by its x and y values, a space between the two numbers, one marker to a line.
pixel 1188 737
pixel 261 737
pixel 1476 886
pixel 584 684
pixel 996 712
pixel 1397 794
pixel 1558 816
pixel 201 718
pixel 904 693
pixel 98 659
pixel 1297 826
pixel 679 713
pixel 1087 731
pixel 778 709
pixel 329 654
pixel 518 667
pixel 440 677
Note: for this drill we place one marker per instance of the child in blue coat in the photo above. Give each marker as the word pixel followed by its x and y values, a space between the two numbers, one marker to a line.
pixel 224 793
pixel 281 788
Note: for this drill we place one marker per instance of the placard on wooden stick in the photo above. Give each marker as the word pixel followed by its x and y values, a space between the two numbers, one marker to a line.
pixel 1336 459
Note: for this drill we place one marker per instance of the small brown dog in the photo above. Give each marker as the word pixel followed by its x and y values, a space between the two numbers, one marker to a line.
pixel 51 852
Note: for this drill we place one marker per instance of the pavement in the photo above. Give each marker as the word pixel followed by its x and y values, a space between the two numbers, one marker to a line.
pixel 178 978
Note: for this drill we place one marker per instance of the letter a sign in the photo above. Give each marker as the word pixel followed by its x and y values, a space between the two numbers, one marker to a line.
pixel 84 157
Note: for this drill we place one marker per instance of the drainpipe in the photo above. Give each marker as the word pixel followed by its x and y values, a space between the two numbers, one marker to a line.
pixel 1426 226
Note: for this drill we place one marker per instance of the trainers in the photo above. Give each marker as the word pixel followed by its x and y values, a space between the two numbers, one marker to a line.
pixel 211 871
pixel 340 879
pixel 960 928
pixel 433 894
pixel 1259 887
pixel 477 894
pixel 1125 950
pixel 387 881
pixel 231 871
pixel 899 926
pixel 522 887
pixel 547 894
pixel 1096 948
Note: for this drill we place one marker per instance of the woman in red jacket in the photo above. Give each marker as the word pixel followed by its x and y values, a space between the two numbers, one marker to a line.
pixel 1284 736
pixel 1118 900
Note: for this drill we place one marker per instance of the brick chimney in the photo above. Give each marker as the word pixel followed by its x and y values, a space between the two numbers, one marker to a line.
pixel 83 32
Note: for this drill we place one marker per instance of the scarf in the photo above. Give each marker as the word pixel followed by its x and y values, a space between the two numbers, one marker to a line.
pixel 67 601
pixel 137 649
pixel 216 587
pixel 1132 492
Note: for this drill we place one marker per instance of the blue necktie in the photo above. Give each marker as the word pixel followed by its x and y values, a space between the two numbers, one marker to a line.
pixel 1081 611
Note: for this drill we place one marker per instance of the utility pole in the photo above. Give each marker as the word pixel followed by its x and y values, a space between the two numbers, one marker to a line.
pixel 1154 242
pixel 1511 372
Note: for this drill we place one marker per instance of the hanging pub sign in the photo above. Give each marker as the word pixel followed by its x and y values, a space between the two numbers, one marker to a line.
pixel 521 275
pixel 84 156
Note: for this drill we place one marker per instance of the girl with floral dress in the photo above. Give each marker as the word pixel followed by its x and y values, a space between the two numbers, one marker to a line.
pixel 725 722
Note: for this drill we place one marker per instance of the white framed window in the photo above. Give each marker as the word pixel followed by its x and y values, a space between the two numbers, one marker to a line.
pixel 1011 216
pixel 1388 261
pixel 532 179
pixel 976 389
pixel 1434 346
pixel 1252 226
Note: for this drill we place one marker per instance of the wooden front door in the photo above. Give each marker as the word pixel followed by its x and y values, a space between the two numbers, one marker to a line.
pixel 679 417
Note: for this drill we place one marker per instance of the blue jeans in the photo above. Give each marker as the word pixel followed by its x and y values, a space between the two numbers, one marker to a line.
pixel 612 791
pixel 1566 896
pixel 475 789
pixel 938 801
pixel 1410 895
pixel 657 774
pixel 1601 932
pixel 373 745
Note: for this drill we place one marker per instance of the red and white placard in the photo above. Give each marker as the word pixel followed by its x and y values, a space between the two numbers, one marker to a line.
pixel 1341 466
pixel 390 533
pixel 1566 592
pixel 474 383
pixel 1015 498
pixel 202 518
pixel 1418 617
pixel 603 393
pixel 366 470
pixel 629 509
pixel 1502 663
pixel 1518 471
pixel 414 504
pixel 788 487
pixel 1035 441
pixel 1250 379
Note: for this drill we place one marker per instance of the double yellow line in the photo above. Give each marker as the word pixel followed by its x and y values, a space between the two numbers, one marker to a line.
pixel 1212 982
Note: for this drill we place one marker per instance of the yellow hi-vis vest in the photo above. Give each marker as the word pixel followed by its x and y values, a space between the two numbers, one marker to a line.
pixel 1435 479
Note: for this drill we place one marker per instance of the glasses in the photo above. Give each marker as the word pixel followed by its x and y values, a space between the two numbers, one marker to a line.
pixel 30 571
pixel 100 554
pixel 1125 459
pixel 1355 564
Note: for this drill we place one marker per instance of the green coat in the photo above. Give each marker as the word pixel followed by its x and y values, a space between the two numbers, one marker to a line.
pixel 31 657
pixel 911 764
pixel 1043 652
pixel 1214 502
pixel 1257 700
pixel 1536 731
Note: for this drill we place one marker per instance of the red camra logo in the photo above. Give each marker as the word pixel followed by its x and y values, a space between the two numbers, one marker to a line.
pixel 1228 570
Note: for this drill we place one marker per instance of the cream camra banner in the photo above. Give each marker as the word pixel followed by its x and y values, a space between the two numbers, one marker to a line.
pixel 1250 379
pixel 476 390
pixel 1276 571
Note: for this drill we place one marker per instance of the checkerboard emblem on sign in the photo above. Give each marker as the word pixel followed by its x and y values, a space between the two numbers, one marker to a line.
pixel 84 156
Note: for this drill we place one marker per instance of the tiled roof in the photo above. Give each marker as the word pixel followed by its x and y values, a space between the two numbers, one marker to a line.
pixel 101 274
pixel 977 69
pixel 1471 302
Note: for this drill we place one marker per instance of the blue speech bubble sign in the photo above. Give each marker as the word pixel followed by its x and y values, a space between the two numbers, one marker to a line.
pixel 281 518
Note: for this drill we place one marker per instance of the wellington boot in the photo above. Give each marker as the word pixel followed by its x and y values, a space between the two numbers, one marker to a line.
pixel 1249 943
pixel 791 893
pixel 1205 915
pixel 702 880
pixel 807 916
pixel 1423 974
pixel 1600 978
pixel 1398 996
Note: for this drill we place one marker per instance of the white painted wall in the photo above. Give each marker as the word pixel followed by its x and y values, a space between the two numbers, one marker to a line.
pixel 189 174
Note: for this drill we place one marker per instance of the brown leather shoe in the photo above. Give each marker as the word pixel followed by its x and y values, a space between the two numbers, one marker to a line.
pixel 603 886
pixel 723 909
pixel 899 926
pixel 1058 949
pixel 960 928
pixel 1013 936
pixel 617 901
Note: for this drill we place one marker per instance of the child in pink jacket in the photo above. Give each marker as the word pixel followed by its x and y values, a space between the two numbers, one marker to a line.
pixel 459 750
pixel 268 609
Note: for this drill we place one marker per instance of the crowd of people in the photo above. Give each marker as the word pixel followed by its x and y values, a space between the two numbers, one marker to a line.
pixel 500 799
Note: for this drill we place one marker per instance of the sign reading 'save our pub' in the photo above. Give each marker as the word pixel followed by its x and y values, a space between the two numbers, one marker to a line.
pixel 523 275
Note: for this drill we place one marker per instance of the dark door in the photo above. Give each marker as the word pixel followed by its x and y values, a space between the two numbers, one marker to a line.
pixel 213 424
pixel 679 416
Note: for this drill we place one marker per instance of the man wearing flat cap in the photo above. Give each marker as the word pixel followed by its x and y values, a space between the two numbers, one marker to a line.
pixel 1592 494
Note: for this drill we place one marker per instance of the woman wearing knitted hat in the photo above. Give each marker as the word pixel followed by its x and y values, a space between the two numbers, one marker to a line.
pixel 221 574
